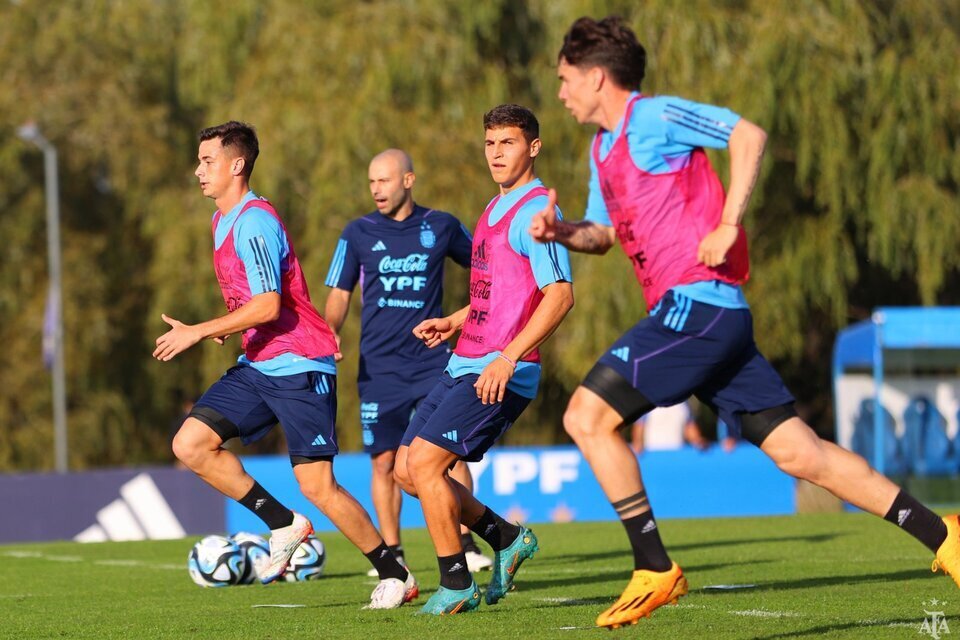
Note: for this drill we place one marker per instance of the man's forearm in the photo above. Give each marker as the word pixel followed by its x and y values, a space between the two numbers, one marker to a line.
pixel 747 143
pixel 557 301
pixel 585 236
pixel 336 309
pixel 262 308
pixel 459 317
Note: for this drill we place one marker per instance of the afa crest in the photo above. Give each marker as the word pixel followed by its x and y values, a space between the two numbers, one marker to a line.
pixel 428 238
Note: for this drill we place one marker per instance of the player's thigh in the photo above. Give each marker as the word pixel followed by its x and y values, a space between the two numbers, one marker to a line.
pixel 306 406
pixel 462 424
pixel 426 407
pixel 387 405
pixel 600 407
pixel 662 359
pixel 749 396
pixel 234 407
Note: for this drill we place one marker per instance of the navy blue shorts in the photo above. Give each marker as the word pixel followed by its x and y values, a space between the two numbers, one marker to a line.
pixel 453 418
pixel 247 403
pixel 689 348
pixel 387 404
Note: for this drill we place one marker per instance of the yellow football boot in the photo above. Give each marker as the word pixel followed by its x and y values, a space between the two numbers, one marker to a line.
pixel 647 591
pixel 948 555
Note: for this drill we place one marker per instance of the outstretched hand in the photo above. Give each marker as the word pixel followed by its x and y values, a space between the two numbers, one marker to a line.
pixel 434 331
pixel 177 340
pixel 543 225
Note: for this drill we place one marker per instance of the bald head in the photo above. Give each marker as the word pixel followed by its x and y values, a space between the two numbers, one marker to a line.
pixel 394 158
pixel 391 183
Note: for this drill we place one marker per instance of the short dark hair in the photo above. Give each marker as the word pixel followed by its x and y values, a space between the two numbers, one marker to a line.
pixel 238 135
pixel 610 44
pixel 513 115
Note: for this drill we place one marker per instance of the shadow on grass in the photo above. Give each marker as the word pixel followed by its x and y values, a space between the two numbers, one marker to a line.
pixel 619 577
pixel 834 580
pixel 845 626
pixel 708 544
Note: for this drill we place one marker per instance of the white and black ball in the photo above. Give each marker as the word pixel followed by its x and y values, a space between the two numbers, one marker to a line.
pixel 216 561
pixel 256 550
pixel 307 562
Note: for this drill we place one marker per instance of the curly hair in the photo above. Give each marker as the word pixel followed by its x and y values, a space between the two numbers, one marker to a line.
pixel 610 44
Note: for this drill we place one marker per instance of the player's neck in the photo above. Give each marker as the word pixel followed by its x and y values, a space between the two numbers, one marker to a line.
pixel 528 176
pixel 612 108
pixel 232 196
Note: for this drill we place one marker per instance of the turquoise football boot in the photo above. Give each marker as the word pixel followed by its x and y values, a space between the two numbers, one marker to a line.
pixel 507 562
pixel 450 601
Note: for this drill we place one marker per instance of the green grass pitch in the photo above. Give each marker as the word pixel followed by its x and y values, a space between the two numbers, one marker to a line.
pixel 814 576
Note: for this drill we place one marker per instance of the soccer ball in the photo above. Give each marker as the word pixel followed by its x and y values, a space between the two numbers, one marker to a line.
pixel 216 561
pixel 257 553
pixel 307 562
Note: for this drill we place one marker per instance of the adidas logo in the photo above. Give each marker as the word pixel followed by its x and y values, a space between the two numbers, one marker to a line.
pixel 623 353
pixel 456 567
pixel 319 440
pixel 379 246
pixel 140 513
pixel 902 516
pixel 451 435
pixel 650 526
pixel 259 503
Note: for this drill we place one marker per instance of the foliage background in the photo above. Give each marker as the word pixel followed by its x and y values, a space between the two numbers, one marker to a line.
pixel 857 205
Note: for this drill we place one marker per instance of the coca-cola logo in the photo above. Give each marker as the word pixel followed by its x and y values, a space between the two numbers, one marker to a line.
pixel 413 263
pixel 480 289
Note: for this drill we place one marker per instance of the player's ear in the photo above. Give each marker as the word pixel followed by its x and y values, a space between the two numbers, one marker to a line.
pixel 596 76
pixel 408 179
pixel 237 165
pixel 535 147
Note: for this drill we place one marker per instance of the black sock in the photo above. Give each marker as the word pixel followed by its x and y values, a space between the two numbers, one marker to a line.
pixel 917 520
pixel 386 563
pixel 453 571
pixel 648 551
pixel 494 530
pixel 468 543
pixel 265 506
pixel 397 550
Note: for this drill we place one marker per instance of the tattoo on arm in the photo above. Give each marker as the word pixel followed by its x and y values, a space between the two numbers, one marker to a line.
pixel 586 237
pixel 742 205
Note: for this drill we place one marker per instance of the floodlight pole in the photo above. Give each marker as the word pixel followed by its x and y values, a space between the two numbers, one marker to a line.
pixel 31 133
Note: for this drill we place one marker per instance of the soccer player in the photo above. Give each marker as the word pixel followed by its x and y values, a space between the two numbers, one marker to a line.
pixel 519 293
pixel 285 374
pixel 397 254
pixel 652 189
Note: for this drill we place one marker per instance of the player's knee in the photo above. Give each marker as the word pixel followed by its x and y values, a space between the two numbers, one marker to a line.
pixel 188 450
pixel 422 465
pixel 402 478
pixel 579 422
pixel 384 463
pixel 319 493
pixel 805 460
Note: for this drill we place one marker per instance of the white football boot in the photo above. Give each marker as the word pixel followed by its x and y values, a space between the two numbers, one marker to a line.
pixel 283 543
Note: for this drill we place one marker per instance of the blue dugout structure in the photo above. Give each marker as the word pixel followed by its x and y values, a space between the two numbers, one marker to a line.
pixel 905 339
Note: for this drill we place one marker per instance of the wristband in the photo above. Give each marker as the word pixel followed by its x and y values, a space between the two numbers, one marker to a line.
pixel 512 363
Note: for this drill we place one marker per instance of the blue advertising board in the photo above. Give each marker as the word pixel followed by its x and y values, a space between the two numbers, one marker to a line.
pixel 555 484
